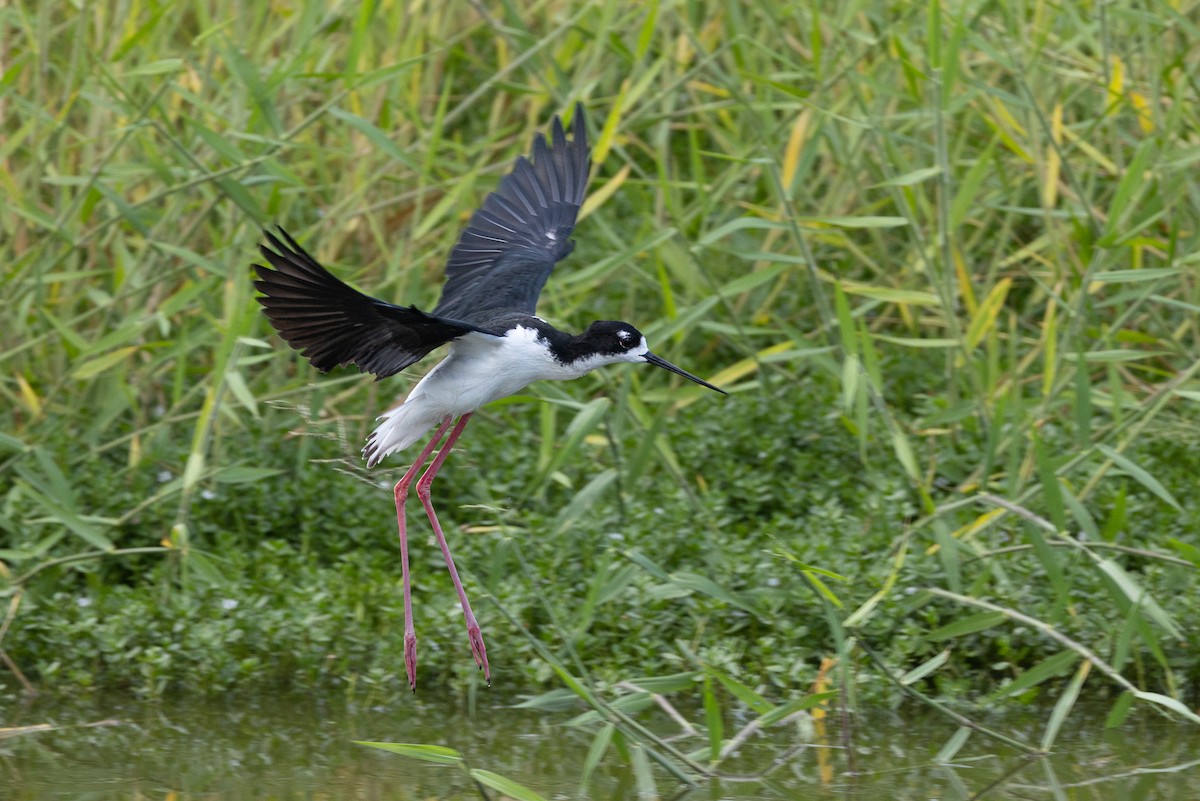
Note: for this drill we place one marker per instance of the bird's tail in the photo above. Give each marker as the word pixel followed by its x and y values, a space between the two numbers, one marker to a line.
pixel 398 428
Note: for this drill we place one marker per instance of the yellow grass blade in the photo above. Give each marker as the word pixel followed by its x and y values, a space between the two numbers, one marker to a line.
pixel 1053 162
pixel 598 197
pixel 985 319
pixel 791 153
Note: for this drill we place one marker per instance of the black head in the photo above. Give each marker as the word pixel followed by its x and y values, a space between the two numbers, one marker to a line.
pixel 609 338
pixel 606 342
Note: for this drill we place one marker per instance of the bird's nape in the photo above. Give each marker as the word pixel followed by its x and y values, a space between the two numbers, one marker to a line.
pixel 659 361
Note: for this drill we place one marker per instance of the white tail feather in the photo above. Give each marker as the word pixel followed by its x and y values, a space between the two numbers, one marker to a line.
pixel 399 428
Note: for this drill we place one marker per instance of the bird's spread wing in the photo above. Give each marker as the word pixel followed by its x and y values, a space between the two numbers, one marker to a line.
pixel 506 253
pixel 332 324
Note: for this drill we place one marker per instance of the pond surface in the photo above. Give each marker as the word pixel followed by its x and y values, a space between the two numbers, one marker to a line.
pixel 301 747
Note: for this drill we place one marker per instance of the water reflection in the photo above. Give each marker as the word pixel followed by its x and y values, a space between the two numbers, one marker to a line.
pixel 301 747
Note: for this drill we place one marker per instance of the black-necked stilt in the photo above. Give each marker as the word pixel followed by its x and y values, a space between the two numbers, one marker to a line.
pixel 498 346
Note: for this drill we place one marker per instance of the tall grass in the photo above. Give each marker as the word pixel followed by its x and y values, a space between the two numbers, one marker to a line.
pixel 977 223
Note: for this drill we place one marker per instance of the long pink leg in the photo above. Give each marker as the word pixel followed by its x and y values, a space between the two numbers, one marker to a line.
pixel 401 493
pixel 423 492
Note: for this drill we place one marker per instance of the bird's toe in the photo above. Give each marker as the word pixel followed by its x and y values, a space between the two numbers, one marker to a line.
pixel 479 651
pixel 410 659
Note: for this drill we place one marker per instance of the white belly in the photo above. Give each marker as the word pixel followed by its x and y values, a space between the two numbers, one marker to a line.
pixel 482 368
pixel 479 370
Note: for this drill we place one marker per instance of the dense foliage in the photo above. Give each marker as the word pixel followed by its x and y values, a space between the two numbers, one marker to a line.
pixel 943 260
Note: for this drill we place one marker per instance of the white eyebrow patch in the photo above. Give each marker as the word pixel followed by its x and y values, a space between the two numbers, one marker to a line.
pixel 623 335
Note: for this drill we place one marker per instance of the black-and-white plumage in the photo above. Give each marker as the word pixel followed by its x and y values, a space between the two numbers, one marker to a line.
pixel 332 324
pixel 513 241
pixel 497 345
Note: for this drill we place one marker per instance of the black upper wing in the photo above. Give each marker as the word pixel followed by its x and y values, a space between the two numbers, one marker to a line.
pixel 506 253
pixel 333 324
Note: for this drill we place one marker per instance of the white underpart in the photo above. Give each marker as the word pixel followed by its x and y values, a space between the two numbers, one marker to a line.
pixel 480 369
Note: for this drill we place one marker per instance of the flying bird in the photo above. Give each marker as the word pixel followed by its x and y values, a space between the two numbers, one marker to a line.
pixel 498 346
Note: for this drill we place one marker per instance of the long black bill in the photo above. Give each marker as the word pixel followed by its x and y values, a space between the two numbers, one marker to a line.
pixel 659 361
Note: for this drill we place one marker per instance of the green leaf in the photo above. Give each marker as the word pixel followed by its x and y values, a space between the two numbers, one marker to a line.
pixel 160 67
pixel 672 683
pixel 375 136
pixel 1064 706
pixel 505 785
pixel 952 746
pixel 967 625
pixel 220 145
pixel 11 443
pixel 583 500
pixel 240 390
pixel 585 421
pixel 646 564
pixel 1118 355
pixel 745 283
pixel 58 505
pixel 205 569
pixel 1048 668
pixel 851 367
pixel 643 776
pixel 1185 549
pixel 236 192
pixel 693 582
pixel 713 720
pixel 1120 710
pixel 904 453
pixel 1136 595
pixel 646 35
pixel 966 198
pixel 1166 702
pixel 1141 476
pixel 1052 493
pixel 246 73
pixel 1134 276
pixel 631 704
pixel 101 364
pixel 925 668
pixel 557 700
pixel 782 711
pixel 740 691
pixel 1133 182
pixel 807 568
pixel 839 221
pixel 740 224
pixel 913 342
pixel 596 752
pixel 437 754
pixel 822 588
pixel 910 178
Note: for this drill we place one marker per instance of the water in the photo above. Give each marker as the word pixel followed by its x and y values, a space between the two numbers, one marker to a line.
pixel 286 747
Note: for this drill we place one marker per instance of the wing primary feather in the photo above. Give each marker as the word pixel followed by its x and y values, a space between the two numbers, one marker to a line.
pixel 528 222
pixel 332 324
pixel 543 167
pixel 560 146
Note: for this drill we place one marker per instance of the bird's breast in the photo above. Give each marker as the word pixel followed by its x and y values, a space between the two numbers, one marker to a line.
pixel 482 368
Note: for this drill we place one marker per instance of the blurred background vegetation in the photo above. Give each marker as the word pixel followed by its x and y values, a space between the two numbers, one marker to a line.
pixel 944 258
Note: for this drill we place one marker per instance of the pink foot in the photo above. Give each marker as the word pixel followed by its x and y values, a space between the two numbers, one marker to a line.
pixel 480 651
pixel 410 658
